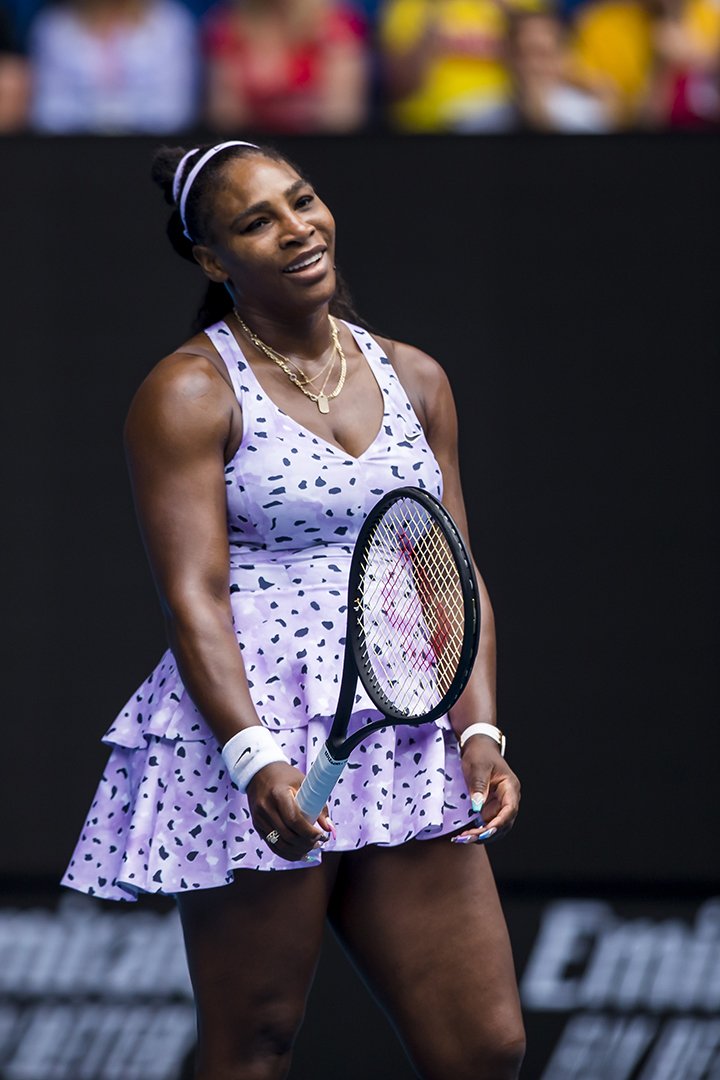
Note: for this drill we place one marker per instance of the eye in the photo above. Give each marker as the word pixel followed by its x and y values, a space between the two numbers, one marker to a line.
pixel 255 225
pixel 304 200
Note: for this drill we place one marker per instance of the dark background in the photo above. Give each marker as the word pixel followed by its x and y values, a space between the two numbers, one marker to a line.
pixel 569 286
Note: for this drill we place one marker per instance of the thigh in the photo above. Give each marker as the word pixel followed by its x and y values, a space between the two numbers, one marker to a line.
pixel 423 924
pixel 252 948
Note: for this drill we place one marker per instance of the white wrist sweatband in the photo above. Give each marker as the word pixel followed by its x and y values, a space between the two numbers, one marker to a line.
pixel 484 729
pixel 248 752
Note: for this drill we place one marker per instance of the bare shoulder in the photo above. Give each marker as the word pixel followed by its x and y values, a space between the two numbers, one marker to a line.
pixel 184 395
pixel 423 378
pixel 413 362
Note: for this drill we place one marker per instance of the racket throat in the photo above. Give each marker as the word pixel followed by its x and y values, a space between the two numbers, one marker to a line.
pixel 346 701
pixel 337 747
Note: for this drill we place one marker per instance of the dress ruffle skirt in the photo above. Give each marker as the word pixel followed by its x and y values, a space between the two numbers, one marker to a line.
pixel 166 818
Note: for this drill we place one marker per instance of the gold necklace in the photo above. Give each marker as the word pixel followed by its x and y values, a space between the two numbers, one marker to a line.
pixel 280 359
pixel 323 374
pixel 298 376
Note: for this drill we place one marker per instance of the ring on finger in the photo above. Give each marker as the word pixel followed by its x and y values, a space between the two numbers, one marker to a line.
pixel 273 836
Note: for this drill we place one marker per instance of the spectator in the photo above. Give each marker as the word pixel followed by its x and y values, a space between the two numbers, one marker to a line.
pixel 613 51
pixel 685 88
pixel 114 67
pixel 286 66
pixel 639 48
pixel 444 63
pixel 14 81
pixel 543 97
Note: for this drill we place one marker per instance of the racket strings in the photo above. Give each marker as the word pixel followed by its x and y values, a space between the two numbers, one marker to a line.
pixel 411 609
pixel 440 604
pixel 410 651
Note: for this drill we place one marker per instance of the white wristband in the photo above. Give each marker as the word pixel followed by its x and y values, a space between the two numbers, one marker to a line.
pixel 484 729
pixel 249 751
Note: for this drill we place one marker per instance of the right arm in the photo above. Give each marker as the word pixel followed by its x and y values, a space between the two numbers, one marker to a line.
pixel 176 436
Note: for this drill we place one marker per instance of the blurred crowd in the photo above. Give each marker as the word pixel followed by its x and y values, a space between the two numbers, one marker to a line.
pixel 308 66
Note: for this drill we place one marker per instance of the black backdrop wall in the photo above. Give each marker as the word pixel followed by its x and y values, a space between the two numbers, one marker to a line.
pixel 569 286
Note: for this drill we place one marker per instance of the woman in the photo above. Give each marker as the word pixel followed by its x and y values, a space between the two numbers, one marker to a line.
pixel 444 63
pixel 285 65
pixel 114 66
pixel 276 430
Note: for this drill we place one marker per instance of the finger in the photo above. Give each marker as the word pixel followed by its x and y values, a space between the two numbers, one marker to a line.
pixel 504 820
pixel 298 825
pixel 503 806
pixel 474 836
pixel 325 822
pixel 293 854
pixel 284 829
pixel 303 838
pixel 492 827
pixel 289 846
pixel 479 786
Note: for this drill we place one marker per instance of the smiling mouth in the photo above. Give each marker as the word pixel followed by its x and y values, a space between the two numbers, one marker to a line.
pixel 310 260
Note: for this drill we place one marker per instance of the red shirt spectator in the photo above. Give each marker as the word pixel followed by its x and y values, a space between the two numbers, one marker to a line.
pixel 285 66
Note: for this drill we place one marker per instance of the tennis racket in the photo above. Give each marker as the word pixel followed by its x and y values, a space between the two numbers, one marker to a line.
pixel 413 625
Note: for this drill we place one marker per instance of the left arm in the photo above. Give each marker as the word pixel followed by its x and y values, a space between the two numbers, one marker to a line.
pixel 491 783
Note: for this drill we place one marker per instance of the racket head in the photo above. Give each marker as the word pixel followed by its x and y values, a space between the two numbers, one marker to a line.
pixel 414 610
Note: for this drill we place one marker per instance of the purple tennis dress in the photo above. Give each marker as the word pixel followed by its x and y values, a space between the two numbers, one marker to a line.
pixel 166 818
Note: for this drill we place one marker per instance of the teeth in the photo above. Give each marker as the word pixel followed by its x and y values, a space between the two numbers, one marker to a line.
pixel 308 262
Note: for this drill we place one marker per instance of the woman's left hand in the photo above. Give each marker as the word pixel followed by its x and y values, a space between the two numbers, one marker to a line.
pixel 494 789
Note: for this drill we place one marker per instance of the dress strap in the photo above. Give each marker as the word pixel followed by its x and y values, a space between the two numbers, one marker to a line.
pixel 394 393
pixel 227 347
pixel 373 352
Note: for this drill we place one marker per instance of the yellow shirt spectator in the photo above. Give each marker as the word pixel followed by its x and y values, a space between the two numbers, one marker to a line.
pixel 444 61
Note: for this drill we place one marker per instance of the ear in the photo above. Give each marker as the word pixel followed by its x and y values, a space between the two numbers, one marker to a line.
pixel 210 264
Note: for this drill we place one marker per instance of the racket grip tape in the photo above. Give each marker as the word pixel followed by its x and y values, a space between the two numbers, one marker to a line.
pixel 319 782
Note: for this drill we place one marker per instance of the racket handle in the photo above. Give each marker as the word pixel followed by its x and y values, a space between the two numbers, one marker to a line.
pixel 319 782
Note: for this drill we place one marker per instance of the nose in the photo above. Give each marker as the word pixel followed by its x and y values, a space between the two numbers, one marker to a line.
pixel 296 229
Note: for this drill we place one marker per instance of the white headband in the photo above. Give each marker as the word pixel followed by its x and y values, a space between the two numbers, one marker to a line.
pixel 193 174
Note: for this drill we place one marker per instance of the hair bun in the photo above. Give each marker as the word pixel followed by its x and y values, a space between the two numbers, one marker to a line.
pixel 164 165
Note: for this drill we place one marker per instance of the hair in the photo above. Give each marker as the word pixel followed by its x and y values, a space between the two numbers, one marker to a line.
pixel 198 216
pixel 522 17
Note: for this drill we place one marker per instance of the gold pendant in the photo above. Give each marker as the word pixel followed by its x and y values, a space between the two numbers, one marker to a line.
pixel 322 403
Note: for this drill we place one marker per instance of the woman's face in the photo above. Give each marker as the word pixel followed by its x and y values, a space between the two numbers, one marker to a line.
pixel 272 238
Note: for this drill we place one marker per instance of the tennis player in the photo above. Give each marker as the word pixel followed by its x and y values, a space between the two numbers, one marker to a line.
pixel 256 450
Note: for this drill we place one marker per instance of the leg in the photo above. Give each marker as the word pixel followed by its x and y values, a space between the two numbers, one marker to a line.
pixel 424 926
pixel 252 950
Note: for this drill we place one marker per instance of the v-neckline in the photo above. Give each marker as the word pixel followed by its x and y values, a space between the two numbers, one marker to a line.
pixel 335 447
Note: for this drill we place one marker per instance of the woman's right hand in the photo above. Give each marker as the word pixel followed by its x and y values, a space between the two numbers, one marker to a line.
pixel 273 806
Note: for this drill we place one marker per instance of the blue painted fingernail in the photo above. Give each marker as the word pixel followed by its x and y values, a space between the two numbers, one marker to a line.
pixel 488 833
pixel 477 802
pixel 463 839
